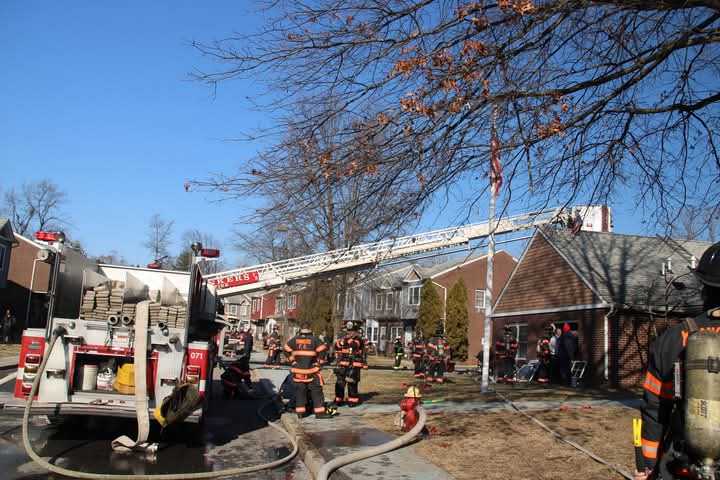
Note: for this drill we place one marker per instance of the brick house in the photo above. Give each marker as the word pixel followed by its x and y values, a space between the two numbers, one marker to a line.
pixel 388 301
pixel 270 309
pixel 28 281
pixel 612 289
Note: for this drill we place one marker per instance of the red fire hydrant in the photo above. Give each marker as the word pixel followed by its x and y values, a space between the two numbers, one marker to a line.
pixel 408 408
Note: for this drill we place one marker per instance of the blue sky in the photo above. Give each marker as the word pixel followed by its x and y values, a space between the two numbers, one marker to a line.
pixel 96 97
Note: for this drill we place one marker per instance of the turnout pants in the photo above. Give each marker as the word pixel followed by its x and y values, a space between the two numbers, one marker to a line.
pixel 436 372
pixel 350 377
pixel 273 357
pixel 308 385
pixel 244 366
pixel 543 371
pixel 419 366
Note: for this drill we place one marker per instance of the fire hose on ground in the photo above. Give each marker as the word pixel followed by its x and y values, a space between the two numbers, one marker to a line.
pixel 59 333
pixel 401 441
pixel 559 437
pixel 126 444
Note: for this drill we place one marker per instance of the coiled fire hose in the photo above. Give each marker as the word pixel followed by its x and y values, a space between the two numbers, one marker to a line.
pixel 401 441
pixel 59 333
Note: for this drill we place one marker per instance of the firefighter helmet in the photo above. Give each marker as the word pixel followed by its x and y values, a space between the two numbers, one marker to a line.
pixel 350 326
pixel 413 392
pixel 708 269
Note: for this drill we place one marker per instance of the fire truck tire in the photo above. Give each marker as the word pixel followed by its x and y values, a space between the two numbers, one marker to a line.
pixel 57 334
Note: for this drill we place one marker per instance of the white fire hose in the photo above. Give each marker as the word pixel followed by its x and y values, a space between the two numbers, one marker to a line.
pixel 125 443
pixel 338 462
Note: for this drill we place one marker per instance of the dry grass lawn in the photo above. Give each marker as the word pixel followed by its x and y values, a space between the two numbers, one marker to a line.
pixel 11 350
pixel 388 386
pixel 505 445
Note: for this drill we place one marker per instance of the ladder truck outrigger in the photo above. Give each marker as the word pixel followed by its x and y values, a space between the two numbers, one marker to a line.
pixel 94 306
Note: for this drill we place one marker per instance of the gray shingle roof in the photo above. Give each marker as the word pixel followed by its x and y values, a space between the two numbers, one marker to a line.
pixel 627 269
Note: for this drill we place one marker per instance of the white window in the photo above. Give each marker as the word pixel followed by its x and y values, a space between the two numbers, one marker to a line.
pixel 244 310
pixel 479 300
pixel 389 301
pixel 232 309
pixel 396 332
pixel 292 302
pixel 379 297
pixel 414 295
pixel 255 304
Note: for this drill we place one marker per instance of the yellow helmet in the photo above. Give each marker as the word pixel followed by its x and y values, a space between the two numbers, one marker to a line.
pixel 125 380
pixel 413 392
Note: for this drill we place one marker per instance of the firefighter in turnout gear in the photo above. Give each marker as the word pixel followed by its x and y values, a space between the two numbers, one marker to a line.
pixel 399 350
pixel 544 355
pixel 244 349
pixel 350 360
pixel 438 353
pixel 419 354
pixel 274 347
pixel 303 351
pixel 668 443
pixel 505 351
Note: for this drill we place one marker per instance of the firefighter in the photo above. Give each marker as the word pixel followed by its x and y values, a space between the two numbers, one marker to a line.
pixel 505 351
pixel 350 360
pixel 274 347
pixel 543 355
pixel 418 354
pixel 243 349
pixel 662 431
pixel 399 350
pixel 438 353
pixel 303 350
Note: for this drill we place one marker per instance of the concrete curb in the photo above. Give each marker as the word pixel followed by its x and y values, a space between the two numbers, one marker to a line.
pixel 306 450
pixel 8 362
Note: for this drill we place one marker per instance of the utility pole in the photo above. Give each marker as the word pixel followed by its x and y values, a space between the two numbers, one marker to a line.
pixel 495 182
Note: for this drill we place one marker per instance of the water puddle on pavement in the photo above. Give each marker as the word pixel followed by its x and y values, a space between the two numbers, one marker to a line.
pixel 361 437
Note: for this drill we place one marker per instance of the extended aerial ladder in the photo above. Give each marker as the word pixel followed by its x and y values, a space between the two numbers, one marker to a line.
pixel 274 274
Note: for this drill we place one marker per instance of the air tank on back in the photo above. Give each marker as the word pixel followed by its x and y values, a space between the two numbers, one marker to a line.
pixel 702 398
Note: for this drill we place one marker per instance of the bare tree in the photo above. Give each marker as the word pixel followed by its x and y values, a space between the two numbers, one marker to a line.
pixel 590 97
pixel 111 258
pixel 698 223
pixel 184 259
pixel 35 206
pixel 159 239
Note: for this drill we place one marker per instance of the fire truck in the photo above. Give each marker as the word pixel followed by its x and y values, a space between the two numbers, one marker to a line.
pixel 93 304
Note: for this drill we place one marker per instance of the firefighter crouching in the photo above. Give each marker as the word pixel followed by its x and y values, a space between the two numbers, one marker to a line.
pixel 505 351
pixel 399 350
pixel 681 414
pixel 274 347
pixel 303 351
pixel 350 360
pixel 418 354
pixel 438 353
pixel 544 355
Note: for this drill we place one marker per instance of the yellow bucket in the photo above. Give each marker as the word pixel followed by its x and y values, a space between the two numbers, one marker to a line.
pixel 125 380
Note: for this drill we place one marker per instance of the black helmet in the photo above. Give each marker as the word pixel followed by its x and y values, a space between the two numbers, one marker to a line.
pixel 439 331
pixel 708 270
